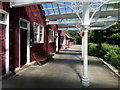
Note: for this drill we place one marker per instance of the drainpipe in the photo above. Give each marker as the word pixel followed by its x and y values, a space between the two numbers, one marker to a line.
pixel 85 24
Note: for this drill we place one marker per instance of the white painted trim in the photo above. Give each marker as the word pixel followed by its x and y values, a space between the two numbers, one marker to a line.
pixel 1 22
pixel 6 22
pixel 28 40
pixel 38 37
pixel 57 42
pixel 4 12
pixel 7 44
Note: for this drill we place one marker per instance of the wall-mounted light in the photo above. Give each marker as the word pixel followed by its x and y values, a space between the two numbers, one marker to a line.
pixel 36 14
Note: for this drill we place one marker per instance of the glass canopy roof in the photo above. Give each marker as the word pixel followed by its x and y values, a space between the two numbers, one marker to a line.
pixel 64 7
pixel 101 12
pixel 68 13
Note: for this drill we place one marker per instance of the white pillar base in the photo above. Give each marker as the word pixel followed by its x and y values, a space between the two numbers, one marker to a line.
pixel 85 81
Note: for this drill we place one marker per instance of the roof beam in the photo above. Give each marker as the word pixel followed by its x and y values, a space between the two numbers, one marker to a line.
pixel 59 7
pixel 75 29
pixel 77 21
pixel 19 3
pixel 102 13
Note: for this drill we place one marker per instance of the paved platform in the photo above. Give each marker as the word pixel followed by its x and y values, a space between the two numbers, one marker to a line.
pixel 64 71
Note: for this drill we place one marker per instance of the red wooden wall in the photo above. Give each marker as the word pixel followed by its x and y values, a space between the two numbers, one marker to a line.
pixel 28 13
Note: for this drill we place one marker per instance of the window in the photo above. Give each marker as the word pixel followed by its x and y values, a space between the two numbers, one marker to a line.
pixel 51 35
pixel 38 33
pixel 23 24
pixel 61 40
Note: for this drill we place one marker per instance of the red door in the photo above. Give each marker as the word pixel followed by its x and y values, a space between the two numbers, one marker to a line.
pixel 2 48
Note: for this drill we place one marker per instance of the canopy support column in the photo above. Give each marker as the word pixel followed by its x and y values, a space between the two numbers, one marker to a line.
pixel 82 49
pixel 85 23
pixel 85 80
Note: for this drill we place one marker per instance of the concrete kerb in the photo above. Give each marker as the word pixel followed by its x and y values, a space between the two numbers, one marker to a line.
pixel 111 67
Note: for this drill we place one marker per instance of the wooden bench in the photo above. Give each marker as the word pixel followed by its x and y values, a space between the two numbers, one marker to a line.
pixel 41 56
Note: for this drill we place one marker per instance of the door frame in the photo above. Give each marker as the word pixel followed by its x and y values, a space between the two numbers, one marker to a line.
pixel 6 22
pixel 28 40
pixel 56 34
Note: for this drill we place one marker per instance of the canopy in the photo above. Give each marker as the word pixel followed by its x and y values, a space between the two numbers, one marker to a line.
pixel 68 13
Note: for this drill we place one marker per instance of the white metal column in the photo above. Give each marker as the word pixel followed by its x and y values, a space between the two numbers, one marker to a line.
pixel 56 41
pixel 28 43
pixel 82 48
pixel 7 44
pixel 85 23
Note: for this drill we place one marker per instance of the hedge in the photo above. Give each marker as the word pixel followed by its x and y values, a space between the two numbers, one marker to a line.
pixel 110 53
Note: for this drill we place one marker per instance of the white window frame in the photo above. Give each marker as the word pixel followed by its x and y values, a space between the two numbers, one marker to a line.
pixel 38 33
pixel 51 40
pixel 5 21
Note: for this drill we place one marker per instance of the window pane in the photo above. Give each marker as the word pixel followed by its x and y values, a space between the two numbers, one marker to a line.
pixel 44 6
pixel 61 40
pixel 51 35
pixel 41 38
pixel 41 28
pixel 60 5
pixel 69 10
pixel 56 11
pixel 46 11
pixel 40 31
pixel 35 32
pixel 41 34
pixel 54 5
pixel 49 5
pixel 68 3
pixel 51 11
pixel 2 17
pixel 35 38
pixel 23 24
pixel 62 10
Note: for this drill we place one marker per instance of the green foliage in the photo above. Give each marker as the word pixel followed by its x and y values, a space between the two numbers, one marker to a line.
pixel 75 35
pixel 110 35
pixel 110 53
pixel 93 49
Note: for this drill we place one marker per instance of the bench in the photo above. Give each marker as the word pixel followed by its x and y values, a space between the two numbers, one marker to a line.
pixel 41 56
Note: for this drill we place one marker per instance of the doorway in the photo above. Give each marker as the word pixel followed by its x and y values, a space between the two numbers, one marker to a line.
pixel 24 42
pixel 23 47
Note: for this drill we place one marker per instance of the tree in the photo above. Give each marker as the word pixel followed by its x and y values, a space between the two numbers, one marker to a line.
pixel 110 35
